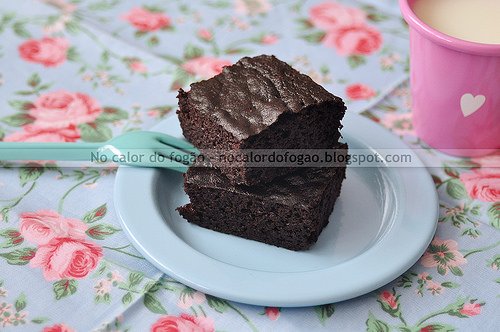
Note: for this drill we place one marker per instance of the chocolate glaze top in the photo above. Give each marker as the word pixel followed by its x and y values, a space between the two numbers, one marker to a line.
pixel 301 188
pixel 250 95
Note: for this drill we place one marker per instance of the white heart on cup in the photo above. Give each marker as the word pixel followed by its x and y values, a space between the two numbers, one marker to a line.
pixel 470 104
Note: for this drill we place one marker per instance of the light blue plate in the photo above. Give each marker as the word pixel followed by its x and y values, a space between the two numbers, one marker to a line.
pixel 381 225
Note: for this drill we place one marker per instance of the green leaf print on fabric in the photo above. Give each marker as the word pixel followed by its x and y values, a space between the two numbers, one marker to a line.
pixel 64 288
pixel 376 325
pixel 153 304
pixel 324 311
pixel 494 215
pixel 12 238
pixel 217 304
pixel 17 120
pixel 111 114
pixel 19 256
pixel 20 302
pixel 29 173
pixel 96 214
pixel 95 132
pixel 101 231
pixel 456 189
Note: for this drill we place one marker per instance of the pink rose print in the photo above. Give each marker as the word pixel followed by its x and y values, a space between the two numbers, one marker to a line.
pixel 58 328
pixel 354 40
pixel 495 265
pixel 387 62
pixel 434 287
pixel 389 302
pixel 205 66
pixel 332 15
pixel 64 5
pixel 6 314
pixel 67 258
pixel 145 20
pixel 492 160
pixel 269 39
pixel 444 254
pixel 31 133
pixel 388 299
pixel 471 309
pixel 423 276
pixel 399 123
pixel 187 300
pixel 137 66
pixel 60 109
pixel 240 24
pixel 359 92
pixel 483 184
pixel 43 226
pixel 183 323
pixel 345 29
pixel 205 34
pixel 272 313
pixel 58 25
pixel 115 277
pixel 429 328
pixel 102 287
pixel 252 7
pixel 5 307
pixel 48 51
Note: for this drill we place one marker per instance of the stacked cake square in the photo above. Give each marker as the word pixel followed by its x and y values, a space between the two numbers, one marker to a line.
pixel 261 103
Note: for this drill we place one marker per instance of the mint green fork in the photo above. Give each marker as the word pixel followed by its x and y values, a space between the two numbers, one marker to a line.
pixel 139 148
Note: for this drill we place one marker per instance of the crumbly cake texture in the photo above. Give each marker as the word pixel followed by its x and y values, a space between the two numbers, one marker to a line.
pixel 289 212
pixel 259 103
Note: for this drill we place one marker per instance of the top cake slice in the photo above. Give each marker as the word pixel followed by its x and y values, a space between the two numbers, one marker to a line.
pixel 259 103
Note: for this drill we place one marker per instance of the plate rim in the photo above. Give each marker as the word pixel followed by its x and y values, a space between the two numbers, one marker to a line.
pixel 270 288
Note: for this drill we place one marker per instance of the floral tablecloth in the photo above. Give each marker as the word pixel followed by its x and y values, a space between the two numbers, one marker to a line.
pixel 87 70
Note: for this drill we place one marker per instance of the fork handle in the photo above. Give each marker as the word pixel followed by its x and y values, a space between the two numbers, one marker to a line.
pixel 48 151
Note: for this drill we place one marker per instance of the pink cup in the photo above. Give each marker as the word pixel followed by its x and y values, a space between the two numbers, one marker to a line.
pixel 455 88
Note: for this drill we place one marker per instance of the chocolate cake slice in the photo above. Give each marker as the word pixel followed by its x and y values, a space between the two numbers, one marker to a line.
pixel 289 212
pixel 259 103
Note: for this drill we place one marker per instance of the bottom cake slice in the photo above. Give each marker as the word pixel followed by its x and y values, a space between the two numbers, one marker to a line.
pixel 289 212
